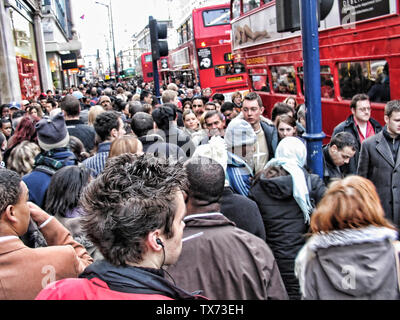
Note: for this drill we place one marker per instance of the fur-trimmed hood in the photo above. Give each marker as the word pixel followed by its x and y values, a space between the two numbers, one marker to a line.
pixel 367 251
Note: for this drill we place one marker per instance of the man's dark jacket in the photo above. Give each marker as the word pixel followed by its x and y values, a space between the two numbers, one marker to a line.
pixel 377 164
pixel 154 143
pixel 271 135
pixel 331 171
pixel 350 126
pixel 83 132
pixel 232 205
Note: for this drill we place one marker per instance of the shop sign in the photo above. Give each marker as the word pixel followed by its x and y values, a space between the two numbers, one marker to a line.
pixel 69 61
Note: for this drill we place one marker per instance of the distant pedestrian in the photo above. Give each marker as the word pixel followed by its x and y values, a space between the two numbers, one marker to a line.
pixel 361 125
pixel 337 153
pixel 109 126
pixel 71 108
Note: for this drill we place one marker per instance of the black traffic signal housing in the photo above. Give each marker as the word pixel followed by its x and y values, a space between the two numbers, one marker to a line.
pixel 288 13
pixel 158 36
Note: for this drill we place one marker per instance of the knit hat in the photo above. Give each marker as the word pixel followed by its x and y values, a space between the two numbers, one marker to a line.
pixel 238 133
pixel 52 132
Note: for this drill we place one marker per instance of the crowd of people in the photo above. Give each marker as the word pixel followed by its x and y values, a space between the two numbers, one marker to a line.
pixel 109 192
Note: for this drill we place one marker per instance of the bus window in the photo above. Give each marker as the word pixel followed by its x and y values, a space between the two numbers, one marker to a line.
pixel 369 77
pixel 216 17
pixel 235 9
pixel 259 80
pixel 148 58
pixel 327 88
pixel 250 5
pixel 229 69
pixel 283 79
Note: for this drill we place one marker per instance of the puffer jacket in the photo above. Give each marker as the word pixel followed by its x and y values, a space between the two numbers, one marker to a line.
pixel 350 264
pixel 284 223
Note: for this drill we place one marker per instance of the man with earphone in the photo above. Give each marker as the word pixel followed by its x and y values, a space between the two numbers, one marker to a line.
pixel 135 212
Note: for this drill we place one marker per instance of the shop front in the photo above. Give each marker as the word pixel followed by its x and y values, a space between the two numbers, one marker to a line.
pixel 25 49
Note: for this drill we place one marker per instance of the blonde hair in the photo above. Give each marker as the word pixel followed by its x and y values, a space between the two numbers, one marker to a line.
pixel 22 157
pixel 125 144
pixel 169 96
pixel 351 203
pixel 173 87
pixel 93 113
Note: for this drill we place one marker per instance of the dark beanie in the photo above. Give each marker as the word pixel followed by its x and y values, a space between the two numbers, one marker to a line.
pixel 52 132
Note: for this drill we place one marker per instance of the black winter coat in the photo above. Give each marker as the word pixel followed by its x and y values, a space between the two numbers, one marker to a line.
pixel 284 222
pixel 232 205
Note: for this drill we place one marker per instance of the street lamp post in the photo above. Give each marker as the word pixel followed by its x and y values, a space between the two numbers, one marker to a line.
pixel 110 18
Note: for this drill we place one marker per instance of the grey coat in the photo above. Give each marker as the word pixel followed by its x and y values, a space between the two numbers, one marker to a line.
pixel 376 164
pixel 351 264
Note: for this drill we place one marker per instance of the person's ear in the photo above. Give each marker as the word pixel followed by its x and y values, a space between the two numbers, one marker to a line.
pixel 10 214
pixel 114 133
pixel 154 241
pixel 386 118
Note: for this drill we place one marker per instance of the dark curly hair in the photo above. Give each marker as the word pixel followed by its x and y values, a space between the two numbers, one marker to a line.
pixel 105 122
pixel 133 196
pixel 10 189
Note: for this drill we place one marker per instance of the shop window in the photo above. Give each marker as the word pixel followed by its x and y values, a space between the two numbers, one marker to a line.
pixel 283 79
pixel 327 88
pixel 250 5
pixel 259 80
pixel 369 77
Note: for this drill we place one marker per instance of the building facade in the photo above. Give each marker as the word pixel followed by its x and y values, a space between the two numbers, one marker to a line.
pixel 61 43
pixel 34 34
pixel 22 56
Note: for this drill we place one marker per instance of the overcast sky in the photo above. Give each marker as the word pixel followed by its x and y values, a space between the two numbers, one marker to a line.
pixel 130 16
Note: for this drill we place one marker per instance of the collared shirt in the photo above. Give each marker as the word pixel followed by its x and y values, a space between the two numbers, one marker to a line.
pixel 98 161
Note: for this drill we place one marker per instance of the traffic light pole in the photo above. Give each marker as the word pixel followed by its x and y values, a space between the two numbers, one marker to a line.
pixel 312 80
pixel 159 48
pixel 156 80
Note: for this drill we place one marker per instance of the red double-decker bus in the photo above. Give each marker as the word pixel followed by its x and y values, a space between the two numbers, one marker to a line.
pixel 359 53
pixel 204 53
pixel 146 67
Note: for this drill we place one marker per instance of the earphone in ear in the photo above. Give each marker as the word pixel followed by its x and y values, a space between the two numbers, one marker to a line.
pixel 159 242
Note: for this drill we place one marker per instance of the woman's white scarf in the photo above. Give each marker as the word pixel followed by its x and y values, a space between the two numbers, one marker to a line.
pixel 291 154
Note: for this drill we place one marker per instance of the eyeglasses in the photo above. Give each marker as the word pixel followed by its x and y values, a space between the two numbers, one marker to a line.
pixel 197 105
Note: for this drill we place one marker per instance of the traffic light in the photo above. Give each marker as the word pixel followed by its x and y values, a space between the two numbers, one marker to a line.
pixel 158 36
pixel 288 13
